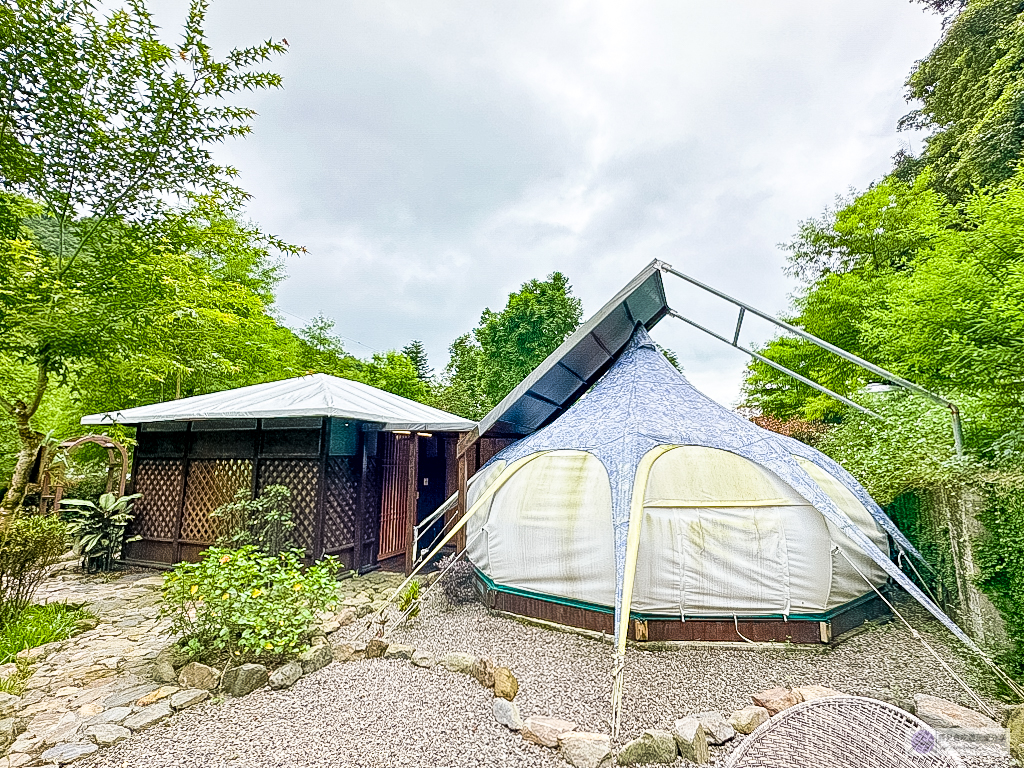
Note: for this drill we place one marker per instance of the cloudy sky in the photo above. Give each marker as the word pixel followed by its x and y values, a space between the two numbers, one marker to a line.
pixel 433 156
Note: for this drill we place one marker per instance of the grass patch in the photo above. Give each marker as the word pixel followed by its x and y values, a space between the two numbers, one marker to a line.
pixel 38 625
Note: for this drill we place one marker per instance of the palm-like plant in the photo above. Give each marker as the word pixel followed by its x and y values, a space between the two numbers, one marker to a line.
pixel 99 528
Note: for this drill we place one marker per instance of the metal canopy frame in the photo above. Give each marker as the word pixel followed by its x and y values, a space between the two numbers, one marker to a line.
pixel 958 438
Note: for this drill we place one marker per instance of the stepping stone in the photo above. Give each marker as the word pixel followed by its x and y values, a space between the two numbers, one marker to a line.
pixel 68 753
pixel 188 698
pixel 105 735
pixel 147 717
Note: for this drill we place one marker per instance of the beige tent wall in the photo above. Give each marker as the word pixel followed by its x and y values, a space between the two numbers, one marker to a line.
pixel 549 530
pixel 721 535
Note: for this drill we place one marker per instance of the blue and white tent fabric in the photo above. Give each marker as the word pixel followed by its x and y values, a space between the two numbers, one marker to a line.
pixel 646 495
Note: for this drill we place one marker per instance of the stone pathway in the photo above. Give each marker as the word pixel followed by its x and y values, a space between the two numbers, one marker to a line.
pixel 83 691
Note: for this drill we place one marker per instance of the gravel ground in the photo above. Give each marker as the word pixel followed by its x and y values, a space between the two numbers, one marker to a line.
pixel 388 713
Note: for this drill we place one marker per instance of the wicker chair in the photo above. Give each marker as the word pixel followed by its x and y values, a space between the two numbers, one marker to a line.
pixel 843 732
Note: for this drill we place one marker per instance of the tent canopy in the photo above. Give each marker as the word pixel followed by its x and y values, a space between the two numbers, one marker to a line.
pixel 314 395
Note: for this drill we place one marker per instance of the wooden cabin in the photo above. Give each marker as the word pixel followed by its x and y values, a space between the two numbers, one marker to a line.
pixel 364 467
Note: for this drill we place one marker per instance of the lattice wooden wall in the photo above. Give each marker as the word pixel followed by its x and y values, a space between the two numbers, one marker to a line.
pixel 161 483
pixel 301 477
pixel 211 483
pixel 341 502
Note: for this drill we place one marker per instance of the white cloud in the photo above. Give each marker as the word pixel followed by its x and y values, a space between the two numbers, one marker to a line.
pixel 432 156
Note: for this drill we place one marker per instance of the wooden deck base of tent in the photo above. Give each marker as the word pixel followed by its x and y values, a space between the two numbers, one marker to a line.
pixel 803 631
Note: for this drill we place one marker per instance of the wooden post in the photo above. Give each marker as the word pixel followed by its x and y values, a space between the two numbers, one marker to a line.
pixel 460 537
pixel 359 554
pixel 412 499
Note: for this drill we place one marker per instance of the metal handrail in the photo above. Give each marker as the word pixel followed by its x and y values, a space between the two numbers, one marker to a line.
pixel 958 437
pixel 428 521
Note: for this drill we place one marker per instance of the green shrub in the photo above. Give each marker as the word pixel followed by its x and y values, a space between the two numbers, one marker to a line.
pixel 28 546
pixel 999 555
pixel 244 605
pixel 409 598
pixel 38 625
pixel 264 522
pixel 99 528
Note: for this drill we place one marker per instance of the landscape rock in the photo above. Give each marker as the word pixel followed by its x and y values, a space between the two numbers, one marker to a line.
pixel 8 669
pixel 940 713
pixel 286 676
pixel 244 679
pixel 653 746
pixel 545 730
pixel 716 727
pixel 505 684
pixel 399 651
pixel 483 671
pixel 345 617
pixel 128 696
pixel 585 750
pixel 168 662
pixel 8 703
pixel 68 753
pixel 507 713
pixel 692 740
pixel 196 675
pixel 1015 733
pixel 113 716
pixel 747 720
pixel 376 648
pixel 315 657
pixel 18 759
pixel 423 659
pixel 188 698
pixel 330 626
pixel 154 696
pixel 813 692
pixel 8 732
pixel 776 699
pixel 349 651
pixel 105 735
pixel 147 716
pixel 459 662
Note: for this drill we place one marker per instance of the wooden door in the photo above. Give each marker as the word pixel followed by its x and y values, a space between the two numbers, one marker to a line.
pixel 397 494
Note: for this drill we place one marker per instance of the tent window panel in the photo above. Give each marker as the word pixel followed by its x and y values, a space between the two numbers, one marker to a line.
pixel 549 530
pixel 847 502
pixel 735 562
pixel 695 476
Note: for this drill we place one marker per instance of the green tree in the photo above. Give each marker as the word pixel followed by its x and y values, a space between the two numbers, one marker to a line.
pixel 971 94
pixel 506 346
pixel 460 391
pixel 414 351
pixel 394 372
pixel 102 124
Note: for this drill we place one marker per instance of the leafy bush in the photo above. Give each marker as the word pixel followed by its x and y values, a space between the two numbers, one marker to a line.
pixel 38 625
pixel 28 546
pixel 244 605
pixel 264 522
pixel 99 528
pixel 999 554
pixel 409 598
pixel 458 582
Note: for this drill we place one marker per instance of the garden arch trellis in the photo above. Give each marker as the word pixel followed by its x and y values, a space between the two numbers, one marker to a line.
pixel 50 493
